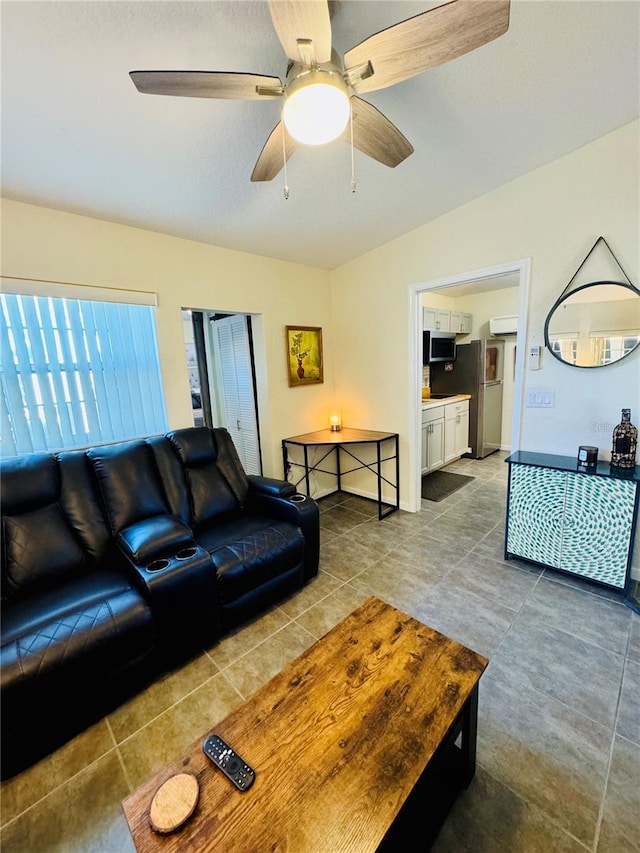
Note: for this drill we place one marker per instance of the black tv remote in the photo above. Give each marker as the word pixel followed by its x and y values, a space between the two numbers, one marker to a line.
pixel 226 759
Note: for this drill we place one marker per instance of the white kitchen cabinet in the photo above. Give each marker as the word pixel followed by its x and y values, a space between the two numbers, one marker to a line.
pixel 581 523
pixel 436 319
pixel 462 428
pixel 429 319
pixel 456 430
pixel 449 434
pixel 440 320
pixel 433 423
pixel 460 323
pixel 443 321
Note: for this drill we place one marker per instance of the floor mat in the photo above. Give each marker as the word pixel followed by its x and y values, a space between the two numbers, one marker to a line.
pixel 440 484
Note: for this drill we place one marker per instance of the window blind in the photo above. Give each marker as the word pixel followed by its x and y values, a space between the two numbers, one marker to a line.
pixel 76 372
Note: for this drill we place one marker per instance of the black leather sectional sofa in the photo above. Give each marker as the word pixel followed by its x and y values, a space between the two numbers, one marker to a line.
pixel 120 561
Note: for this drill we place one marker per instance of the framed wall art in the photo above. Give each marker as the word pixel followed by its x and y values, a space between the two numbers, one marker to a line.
pixel 304 355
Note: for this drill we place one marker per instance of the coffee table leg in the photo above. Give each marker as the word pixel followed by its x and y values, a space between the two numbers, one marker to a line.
pixel 469 734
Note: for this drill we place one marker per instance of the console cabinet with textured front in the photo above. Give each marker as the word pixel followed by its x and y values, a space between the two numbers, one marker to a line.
pixel 576 521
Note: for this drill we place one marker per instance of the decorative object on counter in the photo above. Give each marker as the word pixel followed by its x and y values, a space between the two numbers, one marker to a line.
pixel 304 355
pixel 625 442
pixel 594 323
pixel 587 457
pixel 335 423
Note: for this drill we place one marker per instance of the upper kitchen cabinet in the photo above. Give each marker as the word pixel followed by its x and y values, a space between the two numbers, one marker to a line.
pixel 460 323
pixel 440 320
pixel 436 319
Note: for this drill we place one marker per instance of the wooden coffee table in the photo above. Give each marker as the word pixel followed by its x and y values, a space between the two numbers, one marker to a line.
pixel 376 717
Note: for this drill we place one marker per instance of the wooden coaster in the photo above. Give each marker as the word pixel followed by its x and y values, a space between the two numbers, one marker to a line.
pixel 174 802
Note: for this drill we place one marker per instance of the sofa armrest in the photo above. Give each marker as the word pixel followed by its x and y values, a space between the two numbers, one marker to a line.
pixel 176 576
pixel 271 487
pixel 154 537
pixel 279 499
pixel 181 589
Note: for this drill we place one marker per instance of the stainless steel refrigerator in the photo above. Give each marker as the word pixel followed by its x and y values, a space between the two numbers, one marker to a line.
pixel 478 370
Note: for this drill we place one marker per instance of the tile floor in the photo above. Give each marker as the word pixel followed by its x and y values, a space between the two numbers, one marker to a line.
pixel 559 715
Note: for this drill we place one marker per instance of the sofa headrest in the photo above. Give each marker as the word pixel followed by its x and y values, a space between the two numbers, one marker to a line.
pixel 201 446
pixel 81 504
pixel 172 474
pixel 216 478
pixel 129 481
pixel 28 482
pixel 39 542
pixel 195 446
pixel 230 464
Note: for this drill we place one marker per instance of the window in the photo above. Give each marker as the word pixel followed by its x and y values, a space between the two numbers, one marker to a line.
pixel 565 348
pixel 615 348
pixel 76 372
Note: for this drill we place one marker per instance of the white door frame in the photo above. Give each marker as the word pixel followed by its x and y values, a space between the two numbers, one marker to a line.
pixel 523 269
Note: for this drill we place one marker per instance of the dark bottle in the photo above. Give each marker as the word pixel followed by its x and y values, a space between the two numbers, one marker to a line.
pixel 625 441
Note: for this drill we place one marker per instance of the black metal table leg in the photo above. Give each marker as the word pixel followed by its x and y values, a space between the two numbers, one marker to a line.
pixel 469 735
pixel 306 470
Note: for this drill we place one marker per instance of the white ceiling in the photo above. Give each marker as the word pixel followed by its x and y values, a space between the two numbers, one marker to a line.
pixel 77 135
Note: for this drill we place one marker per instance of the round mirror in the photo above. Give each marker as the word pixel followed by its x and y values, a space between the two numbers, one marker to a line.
pixel 594 325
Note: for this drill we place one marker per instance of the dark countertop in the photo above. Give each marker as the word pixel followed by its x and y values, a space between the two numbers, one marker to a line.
pixel 570 463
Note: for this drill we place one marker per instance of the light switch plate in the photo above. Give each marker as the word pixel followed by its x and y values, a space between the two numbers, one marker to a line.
pixel 541 398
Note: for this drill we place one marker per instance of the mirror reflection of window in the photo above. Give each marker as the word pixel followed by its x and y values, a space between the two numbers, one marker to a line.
pixel 595 325
pixel 610 349
pixel 566 349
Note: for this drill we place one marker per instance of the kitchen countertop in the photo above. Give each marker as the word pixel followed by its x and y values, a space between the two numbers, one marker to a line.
pixel 454 398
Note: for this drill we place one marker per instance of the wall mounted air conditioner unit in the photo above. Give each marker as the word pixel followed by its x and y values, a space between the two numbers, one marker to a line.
pixel 507 325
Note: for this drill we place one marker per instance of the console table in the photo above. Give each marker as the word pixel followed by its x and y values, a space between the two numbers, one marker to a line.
pixel 342 444
pixel 573 519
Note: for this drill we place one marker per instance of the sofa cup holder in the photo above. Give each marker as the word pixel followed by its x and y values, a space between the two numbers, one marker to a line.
pixel 186 553
pixel 297 498
pixel 157 565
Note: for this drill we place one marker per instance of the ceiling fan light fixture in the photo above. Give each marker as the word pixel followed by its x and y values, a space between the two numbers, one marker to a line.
pixel 317 107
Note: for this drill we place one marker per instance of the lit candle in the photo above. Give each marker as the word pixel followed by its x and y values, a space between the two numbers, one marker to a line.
pixel 335 423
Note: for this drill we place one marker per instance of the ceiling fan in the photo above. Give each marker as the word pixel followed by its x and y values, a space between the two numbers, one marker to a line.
pixel 321 91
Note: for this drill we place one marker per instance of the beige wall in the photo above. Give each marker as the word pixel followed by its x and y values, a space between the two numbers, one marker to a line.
pixel 552 216
pixel 38 243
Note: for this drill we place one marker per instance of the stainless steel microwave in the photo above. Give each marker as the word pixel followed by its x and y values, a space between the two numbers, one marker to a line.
pixel 438 346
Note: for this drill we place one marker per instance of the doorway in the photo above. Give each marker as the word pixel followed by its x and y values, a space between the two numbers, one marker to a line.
pixel 222 378
pixel 487 278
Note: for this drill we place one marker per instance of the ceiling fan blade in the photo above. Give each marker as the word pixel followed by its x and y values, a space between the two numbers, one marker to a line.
pixel 376 136
pixel 302 19
pixel 207 84
pixel 429 39
pixel 271 159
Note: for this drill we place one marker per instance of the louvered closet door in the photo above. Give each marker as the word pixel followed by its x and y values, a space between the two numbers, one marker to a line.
pixel 237 380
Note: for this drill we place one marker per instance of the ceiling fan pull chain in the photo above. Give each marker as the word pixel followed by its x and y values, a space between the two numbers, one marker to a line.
pixel 284 157
pixel 353 163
